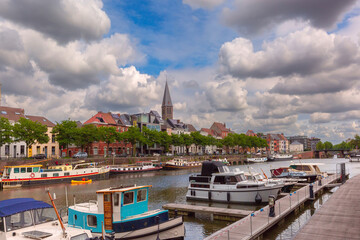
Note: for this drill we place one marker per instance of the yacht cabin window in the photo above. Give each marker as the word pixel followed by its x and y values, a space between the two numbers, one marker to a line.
pixel 23 170
pixel 141 195
pixel 29 169
pixel 16 170
pixel 116 199
pixel 91 221
pixel 128 198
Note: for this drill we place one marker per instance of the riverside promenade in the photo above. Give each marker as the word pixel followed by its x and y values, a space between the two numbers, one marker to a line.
pixel 257 223
pixel 338 218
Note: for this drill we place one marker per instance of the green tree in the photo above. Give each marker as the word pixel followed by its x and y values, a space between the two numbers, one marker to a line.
pixel 328 145
pixel 133 136
pixel 108 135
pixel 187 141
pixel 5 132
pixel 65 133
pixel 177 140
pixel 30 132
pixel 165 140
pixel 85 136
pixel 228 142
pixel 198 139
pixel 320 146
pixel 355 143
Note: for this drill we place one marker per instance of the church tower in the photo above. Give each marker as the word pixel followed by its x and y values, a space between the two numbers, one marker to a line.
pixel 167 107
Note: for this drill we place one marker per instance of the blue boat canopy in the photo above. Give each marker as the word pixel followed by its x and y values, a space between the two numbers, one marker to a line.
pixel 16 205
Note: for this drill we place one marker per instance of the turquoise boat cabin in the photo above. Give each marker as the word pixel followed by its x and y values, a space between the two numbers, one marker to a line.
pixel 117 210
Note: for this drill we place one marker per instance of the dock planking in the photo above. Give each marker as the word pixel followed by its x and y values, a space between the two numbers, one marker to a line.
pixel 225 213
pixel 254 225
pixel 338 218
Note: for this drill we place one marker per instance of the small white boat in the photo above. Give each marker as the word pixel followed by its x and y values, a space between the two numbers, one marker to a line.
pixel 216 183
pixel 141 166
pixel 26 218
pixel 180 163
pixel 281 157
pixel 256 160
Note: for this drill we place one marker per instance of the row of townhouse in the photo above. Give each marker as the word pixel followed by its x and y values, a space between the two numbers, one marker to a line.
pixel 151 120
pixel 18 149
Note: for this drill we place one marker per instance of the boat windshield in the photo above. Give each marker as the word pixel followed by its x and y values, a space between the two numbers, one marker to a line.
pixel 223 169
pixel 29 218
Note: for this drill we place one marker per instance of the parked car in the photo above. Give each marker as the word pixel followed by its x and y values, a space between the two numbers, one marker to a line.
pixel 156 154
pixel 80 155
pixel 168 154
pixel 39 156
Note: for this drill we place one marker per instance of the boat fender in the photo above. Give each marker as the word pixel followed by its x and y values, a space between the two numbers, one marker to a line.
pixel 228 196
pixel 209 195
pixel 258 198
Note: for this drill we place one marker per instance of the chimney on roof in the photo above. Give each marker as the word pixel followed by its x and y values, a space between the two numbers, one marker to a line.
pixel 224 125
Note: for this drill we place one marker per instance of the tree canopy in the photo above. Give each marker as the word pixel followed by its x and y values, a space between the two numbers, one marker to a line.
pixel 30 132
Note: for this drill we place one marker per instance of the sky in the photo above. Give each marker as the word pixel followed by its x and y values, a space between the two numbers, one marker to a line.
pixel 272 66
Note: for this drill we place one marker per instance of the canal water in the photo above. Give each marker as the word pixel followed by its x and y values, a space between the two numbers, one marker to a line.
pixel 171 187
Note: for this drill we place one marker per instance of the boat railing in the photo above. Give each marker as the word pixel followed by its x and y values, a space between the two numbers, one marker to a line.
pixel 88 205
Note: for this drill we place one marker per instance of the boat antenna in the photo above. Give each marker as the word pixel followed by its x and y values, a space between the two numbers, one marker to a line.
pixel 57 213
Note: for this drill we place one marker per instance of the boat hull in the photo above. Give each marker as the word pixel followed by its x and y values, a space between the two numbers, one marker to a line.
pixel 171 229
pixel 114 172
pixel 233 196
pixel 172 167
pixel 59 179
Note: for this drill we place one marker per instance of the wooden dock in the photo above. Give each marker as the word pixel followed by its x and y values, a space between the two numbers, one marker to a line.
pixel 227 214
pixel 338 218
pixel 257 223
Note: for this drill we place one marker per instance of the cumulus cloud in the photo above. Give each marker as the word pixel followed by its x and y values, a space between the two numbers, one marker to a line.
pixel 320 117
pixel 128 89
pixel 228 95
pixel 74 65
pixel 207 4
pixel 255 17
pixel 303 52
pixel 63 20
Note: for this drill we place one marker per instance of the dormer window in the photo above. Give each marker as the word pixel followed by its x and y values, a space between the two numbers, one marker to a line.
pixel 3 112
pixel 17 113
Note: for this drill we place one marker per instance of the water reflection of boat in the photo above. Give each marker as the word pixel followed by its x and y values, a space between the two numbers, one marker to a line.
pixel 124 211
pixel 141 166
pixel 217 183
pixel 81 181
pixel 180 163
pixel 26 218
pixel 36 174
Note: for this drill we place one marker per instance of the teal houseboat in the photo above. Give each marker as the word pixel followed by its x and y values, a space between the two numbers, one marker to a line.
pixel 123 212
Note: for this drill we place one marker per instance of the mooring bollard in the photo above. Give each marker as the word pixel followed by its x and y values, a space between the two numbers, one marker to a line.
pixel 320 183
pixel 228 234
pixel 311 191
pixel 252 214
pixel 272 206
pixel 290 199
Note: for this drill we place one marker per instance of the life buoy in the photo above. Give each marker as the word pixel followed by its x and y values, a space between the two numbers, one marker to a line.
pixel 32 175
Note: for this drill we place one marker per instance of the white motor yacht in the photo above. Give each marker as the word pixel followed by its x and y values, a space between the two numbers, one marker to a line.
pixel 217 183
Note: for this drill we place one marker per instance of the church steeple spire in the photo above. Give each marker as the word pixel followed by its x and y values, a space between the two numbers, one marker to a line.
pixel 167 107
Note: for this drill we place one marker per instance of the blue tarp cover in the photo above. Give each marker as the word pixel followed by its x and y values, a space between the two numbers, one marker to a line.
pixel 12 206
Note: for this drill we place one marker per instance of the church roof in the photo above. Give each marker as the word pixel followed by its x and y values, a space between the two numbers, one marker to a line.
pixel 167 99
